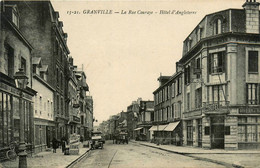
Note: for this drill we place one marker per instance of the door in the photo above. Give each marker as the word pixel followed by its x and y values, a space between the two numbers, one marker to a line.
pixel 217 132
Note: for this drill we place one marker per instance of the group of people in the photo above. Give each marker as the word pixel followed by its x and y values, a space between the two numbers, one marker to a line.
pixel 120 138
pixel 56 144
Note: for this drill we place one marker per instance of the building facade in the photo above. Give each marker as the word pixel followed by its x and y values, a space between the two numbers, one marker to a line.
pixel 40 24
pixel 145 119
pixel 168 108
pixel 15 53
pixel 221 80
pixel 44 124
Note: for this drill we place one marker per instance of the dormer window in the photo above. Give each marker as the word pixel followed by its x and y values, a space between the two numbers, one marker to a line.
pixel 217 26
pixel 15 18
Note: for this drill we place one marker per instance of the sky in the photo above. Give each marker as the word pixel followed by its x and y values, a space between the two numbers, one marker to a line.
pixel 124 54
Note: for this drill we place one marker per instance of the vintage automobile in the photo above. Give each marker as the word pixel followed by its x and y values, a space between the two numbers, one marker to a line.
pixel 97 140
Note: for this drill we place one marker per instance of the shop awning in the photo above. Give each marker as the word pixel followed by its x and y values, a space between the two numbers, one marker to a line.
pixel 171 126
pixel 153 128
pixel 138 128
pixel 157 128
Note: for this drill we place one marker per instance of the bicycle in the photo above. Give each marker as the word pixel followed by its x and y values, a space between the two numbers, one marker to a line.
pixel 11 153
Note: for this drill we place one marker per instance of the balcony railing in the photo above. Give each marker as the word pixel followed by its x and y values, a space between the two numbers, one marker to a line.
pixel 144 122
pixel 215 106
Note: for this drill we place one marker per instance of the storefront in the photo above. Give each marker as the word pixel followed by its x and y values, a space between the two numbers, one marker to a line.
pixel 44 131
pixel 10 115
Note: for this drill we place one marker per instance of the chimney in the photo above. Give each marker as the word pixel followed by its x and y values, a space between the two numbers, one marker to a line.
pixel 252 16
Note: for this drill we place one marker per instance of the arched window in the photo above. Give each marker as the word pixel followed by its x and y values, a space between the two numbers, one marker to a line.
pixel 217 26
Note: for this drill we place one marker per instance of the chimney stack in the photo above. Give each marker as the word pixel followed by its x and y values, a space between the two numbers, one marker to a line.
pixel 252 16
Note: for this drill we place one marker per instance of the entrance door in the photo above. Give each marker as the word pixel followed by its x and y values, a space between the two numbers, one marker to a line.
pixel 217 132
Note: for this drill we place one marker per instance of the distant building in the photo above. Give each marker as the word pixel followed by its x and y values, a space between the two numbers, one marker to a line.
pixel 145 120
pixel 168 108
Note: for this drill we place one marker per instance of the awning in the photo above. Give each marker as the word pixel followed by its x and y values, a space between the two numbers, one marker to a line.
pixel 157 128
pixel 138 128
pixel 171 126
pixel 153 128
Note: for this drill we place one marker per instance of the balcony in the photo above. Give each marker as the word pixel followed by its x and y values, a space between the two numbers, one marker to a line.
pixel 216 107
pixel 144 122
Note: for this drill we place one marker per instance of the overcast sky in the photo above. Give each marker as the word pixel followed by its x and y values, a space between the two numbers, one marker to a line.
pixel 124 54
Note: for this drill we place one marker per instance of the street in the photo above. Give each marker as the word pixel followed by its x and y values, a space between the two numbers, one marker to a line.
pixel 133 155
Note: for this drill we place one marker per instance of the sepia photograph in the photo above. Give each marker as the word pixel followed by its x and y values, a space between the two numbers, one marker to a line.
pixel 129 84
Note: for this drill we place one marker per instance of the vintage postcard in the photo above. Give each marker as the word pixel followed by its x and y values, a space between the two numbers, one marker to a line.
pixel 129 84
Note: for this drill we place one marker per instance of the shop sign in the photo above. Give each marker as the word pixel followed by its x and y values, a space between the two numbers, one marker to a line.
pixel 249 110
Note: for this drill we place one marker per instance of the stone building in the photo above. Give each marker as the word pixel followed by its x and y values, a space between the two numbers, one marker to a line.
pixel 44 124
pixel 168 108
pixel 145 119
pixel 40 24
pixel 221 80
pixel 15 53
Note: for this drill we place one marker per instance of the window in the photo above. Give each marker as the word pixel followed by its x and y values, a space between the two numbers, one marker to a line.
pixel 216 62
pixel 82 119
pixel 23 64
pixel 173 110
pixel 173 89
pixel 61 105
pixel 179 85
pixel 252 96
pixel 57 77
pixel 188 101
pixel 253 61
pixel 42 75
pixel 56 47
pixel 207 130
pixel 199 33
pixel 198 98
pixel 9 55
pixel 217 26
pixel 187 75
pixel 218 93
pixel 58 103
pixel 248 129
pixel 198 70
pixel 15 18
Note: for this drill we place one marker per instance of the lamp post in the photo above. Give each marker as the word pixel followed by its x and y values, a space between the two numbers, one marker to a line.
pixel 21 81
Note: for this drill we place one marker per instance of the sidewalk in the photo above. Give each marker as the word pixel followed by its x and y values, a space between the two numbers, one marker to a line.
pixel 229 158
pixel 47 159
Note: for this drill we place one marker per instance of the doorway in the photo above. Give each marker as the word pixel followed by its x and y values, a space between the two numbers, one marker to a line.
pixel 217 132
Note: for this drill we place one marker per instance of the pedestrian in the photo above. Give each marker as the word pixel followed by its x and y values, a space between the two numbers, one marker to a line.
pixel 54 144
pixel 63 144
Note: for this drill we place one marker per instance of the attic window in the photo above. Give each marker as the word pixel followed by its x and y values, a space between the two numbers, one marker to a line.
pixel 217 26
pixel 15 18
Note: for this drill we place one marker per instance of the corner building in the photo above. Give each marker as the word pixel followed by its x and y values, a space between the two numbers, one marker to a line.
pixel 221 80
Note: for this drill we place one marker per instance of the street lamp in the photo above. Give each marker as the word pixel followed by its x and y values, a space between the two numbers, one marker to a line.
pixel 21 81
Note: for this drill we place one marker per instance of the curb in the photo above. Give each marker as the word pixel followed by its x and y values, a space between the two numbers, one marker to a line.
pixel 78 159
pixel 195 157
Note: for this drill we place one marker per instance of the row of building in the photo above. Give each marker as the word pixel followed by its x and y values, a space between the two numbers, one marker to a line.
pixel 136 121
pixel 213 98
pixel 56 101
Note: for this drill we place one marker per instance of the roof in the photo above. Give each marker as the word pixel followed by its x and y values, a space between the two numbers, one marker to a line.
pixel 44 68
pixel 36 60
